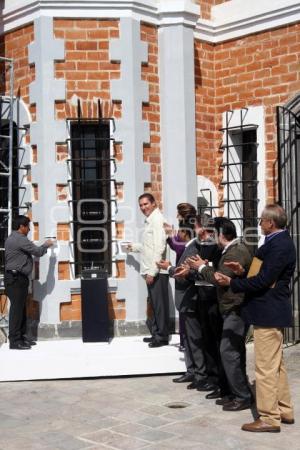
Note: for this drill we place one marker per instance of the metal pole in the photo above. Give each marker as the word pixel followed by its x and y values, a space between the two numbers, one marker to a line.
pixel 10 153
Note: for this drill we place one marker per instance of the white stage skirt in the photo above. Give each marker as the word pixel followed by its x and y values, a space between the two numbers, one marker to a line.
pixel 75 359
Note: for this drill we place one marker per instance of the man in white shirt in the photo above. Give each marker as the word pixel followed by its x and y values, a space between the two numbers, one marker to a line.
pixel 152 249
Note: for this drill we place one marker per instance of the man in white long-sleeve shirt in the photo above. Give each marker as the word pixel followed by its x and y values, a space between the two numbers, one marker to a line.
pixel 152 249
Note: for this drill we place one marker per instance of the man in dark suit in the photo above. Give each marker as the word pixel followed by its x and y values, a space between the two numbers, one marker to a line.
pixel 268 308
pixel 232 348
pixel 211 321
pixel 186 302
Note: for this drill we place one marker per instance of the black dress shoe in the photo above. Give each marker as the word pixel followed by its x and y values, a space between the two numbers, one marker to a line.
pixel 29 342
pixel 20 346
pixel 224 400
pixel 154 344
pixel 237 405
pixel 148 339
pixel 185 378
pixel 214 394
pixel 193 385
pixel 204 386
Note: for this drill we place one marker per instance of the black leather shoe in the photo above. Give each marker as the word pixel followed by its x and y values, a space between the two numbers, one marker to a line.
pixel 224 400
pixel 29 342
pixel 193 385
pixel 154 344
pixel 237 405
pixel 214 394
pixel 185 378
pixel 20 346
pixel 204 386
pixel 148 339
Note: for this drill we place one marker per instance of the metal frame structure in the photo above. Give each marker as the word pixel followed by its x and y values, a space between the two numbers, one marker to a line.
pixel 240 165
pixel 80 164
pixel 10 163
pixel 288 139
pixel 6 167
pixel 7 110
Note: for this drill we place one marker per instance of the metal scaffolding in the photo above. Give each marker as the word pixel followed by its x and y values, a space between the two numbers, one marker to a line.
pixel 6 164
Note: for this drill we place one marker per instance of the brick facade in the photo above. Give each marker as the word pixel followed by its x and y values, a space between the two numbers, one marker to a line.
pixel 15 45
pixel 262 69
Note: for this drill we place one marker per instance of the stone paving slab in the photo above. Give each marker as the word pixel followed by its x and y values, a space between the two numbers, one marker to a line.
pixel 131 413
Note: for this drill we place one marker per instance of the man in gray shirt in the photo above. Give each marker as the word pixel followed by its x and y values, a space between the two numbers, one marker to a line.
pixel 18 267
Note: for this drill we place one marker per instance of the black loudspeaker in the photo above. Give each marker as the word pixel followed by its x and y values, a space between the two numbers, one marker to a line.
pixel 94 307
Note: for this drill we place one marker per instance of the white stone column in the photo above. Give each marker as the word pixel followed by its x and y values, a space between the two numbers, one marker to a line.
pixel 177 98
pixel 133 132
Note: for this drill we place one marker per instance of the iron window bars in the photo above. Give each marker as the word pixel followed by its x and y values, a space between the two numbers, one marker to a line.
pixel 92 191
pixel 288 140
pixel 240 185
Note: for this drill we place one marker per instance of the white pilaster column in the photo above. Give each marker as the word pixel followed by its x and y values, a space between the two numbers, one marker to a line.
pixel 177 98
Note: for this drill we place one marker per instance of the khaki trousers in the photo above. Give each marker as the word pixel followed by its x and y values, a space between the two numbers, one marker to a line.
pixel 273 398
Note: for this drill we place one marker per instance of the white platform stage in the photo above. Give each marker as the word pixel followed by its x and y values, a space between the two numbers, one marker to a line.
pixel 75 359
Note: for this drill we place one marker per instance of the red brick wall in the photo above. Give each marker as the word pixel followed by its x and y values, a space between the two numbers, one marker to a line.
pixel 261 69
pixel 151 110
pixel 15 45
pixel 207 145
pixel 87 68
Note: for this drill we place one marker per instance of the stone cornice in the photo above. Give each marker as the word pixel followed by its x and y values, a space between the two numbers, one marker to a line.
pixel 235 19
pixel 158 12
pixel 230 20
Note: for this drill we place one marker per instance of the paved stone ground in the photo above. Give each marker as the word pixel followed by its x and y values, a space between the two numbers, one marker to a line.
pixel 130 414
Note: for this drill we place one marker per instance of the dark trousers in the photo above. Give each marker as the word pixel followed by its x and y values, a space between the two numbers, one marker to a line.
pixel 159 300
pixel 193 343
pixel 181 330
pixel 233 354
pixel 211 323
pixel 16 286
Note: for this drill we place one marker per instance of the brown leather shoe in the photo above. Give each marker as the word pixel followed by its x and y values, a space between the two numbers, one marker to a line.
pixel 287 421
pixel 260 427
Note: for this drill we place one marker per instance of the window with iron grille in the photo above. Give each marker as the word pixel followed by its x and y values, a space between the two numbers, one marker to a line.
pixel 240 180
pixel 91 195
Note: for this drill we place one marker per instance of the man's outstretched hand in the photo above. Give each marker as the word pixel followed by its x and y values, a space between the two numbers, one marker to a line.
pixel 182 271
pixel 236 267
pixel 221 279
